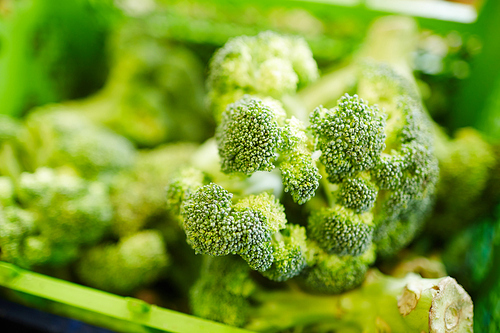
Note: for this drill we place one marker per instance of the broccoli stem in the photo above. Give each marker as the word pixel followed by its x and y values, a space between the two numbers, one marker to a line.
pixel 381 304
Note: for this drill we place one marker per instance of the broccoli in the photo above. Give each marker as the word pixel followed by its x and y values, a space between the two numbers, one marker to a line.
pixel 227 292
pixel 49 216
pixel 135 261
pixel 377 157
pixel 18 241
pixel 69 211
pixel 467 170
pixel 391 189
pixel 254 132
pixel 58 136
pixel 378 184
pixel 267 65
pixel 250 227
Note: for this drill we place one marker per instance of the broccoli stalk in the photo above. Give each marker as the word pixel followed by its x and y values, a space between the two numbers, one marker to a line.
pixel 382 303
pixel 226 292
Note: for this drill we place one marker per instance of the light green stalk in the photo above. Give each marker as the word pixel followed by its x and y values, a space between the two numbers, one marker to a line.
pixel 381 304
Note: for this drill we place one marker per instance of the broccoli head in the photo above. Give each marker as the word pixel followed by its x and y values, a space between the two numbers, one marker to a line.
pixel 59 136
pixel 350 137
pixel 254 227
pixel 379 160
pixel 68 211
pixel 253 135
pixel 266 65
pixel 134 262
pixel 18 241
pixel 466 165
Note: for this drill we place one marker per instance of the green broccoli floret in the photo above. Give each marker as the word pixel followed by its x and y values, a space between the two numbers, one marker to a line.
pixel 18 244
pixel 209 226
pixel 248 137
pixel 299 173
pixel 58 136
pixel 332 274
pixel 252 136
pixel 138 194
pixel 251 228
pixel 69 211
pixel 341 231
pixel 466 165
pixel 249 82
pixel 350 137
pixel 357 194
pixel 266 65
pixel 134 262
pixel 381 158
pixel 288 247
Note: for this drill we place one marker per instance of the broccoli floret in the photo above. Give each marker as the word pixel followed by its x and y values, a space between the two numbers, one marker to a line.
pixel 69 211
pixel 288 248
pixel 357 194
pixel 251 228
pixel 466 163
pixel 17 243
pixel 252 137
pixel 134 262
pixel 253 134
pixel 59 136
pixel 382 159
pixel 350 137
pixel 248 137
pixel 341 231
pixel 209 226
pixel 298 168
pixel 332 274
pixel 265 65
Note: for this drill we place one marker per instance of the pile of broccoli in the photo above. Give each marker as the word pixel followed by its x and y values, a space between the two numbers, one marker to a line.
pixel 269 199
